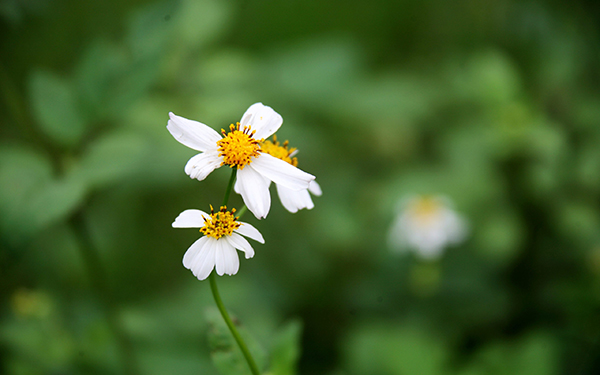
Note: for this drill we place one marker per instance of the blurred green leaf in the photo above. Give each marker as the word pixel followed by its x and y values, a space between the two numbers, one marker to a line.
pixel 201 21
pixel 225 352
pixel 55 107
pixel 392 349
pixel 115 156
pixel 534 354
pixel 149 29
pixel 285 349
pixel 499 235
pixel 39 342
pixel 109 79
pixel 31 197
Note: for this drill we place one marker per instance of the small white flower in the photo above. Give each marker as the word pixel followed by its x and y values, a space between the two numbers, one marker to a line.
pixel 240 148
pixel 427 225
pixel 216 249
pixel 292 200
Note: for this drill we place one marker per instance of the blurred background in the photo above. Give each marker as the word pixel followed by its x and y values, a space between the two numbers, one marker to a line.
pixel 494 105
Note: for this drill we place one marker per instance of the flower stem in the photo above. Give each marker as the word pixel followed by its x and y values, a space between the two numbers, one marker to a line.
pixel 234 331
pixel 229 186
pixel 219 302
pixel 241 211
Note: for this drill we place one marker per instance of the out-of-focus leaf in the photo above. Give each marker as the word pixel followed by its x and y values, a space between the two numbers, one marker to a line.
pixel 150 29
pixel 55 108
pixel 31 198
pixel 225 353
pixel 38 340
pixel 578 221
pixel 116 156
pixel 315 72
pixel 488 78
pixel 534 354
pixel 109 79
pixel 390 349
pixel 201 21
pixel 285 350
pixel 498 235
pixel 97 70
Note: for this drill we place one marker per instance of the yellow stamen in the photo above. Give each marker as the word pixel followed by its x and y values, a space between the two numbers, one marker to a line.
pixel 237 146
pixel 221 223
pixel 426 209
pixel 282 152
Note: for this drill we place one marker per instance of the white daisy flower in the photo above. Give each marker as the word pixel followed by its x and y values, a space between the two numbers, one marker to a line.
pixel 216 249
pixel 427 225
pixel 292 200
pixel 240 148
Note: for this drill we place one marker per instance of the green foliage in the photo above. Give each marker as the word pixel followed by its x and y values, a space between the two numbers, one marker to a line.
pixel 31 197
pixel 285 349
pixel 55 108
pixel 494 105
pixel 225 352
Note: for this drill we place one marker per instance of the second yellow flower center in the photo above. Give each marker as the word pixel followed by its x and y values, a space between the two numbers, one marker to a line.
pixel 221 223
pixel 280 151
pixel 238 147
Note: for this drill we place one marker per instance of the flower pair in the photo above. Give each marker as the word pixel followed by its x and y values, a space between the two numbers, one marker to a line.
pixel 258 162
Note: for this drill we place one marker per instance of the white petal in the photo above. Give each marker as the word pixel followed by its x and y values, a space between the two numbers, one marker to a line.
pixel 262 119
pixel 204 262
pixel 249 231
pixel 192 134
pixel 219 257
pixel 241 243
pixel 254 191
pixel 315 188
pixel 281 172
pixel 190 219
pixel 294 200
pixel 201 165
pixel 193 251
pixel 232 260
pixel 226 258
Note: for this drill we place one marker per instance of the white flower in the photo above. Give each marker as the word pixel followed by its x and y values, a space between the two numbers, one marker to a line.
pixel 216 249
pixel 427 225
pixel 292 200
pixel 240 148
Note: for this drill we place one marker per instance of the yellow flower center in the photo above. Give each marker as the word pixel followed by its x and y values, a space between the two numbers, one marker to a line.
pixel 280 151
pixel 221 223
pixel 426 209
pixel 237 146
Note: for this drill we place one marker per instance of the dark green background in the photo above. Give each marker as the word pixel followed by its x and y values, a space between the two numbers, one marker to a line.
pixel 494 104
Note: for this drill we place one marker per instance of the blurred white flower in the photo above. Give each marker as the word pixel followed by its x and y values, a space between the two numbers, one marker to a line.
pixel 426 225
pixel 216 249
pixel 292 200
pixel 240 148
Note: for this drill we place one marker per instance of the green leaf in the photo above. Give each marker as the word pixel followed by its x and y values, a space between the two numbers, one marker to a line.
pixel 225 352
pixel 110 78
pixel 392 349
pixel 31 198
pixel 55 108
pixel 113 157
pixel 285 351
pixel 534 354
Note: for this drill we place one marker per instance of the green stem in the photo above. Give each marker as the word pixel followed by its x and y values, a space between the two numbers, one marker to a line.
pixel 241 211
pixel 219 302
pixel 234 331
pixel 229 186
